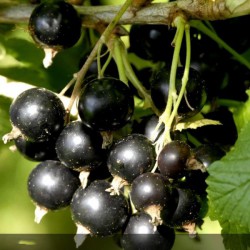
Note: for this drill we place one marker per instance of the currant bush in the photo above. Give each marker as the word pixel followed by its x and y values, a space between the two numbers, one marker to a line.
pixel 134 158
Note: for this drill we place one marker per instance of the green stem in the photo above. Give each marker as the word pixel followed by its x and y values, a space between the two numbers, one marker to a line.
pixel 184 79
pixel 229 103
pixel 103 39
pixel 203 28
pixel 106 64
pixel 117 52
pixel 67 87
pixel 164 118
pixel 99 66
pixel 135 81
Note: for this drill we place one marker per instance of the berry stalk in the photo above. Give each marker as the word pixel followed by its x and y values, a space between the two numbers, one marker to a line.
pixel 103 39
pixel 172 96
pixel 134 80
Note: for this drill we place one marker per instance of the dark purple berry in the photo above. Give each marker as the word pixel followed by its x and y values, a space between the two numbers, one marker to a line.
pixel 79 147
pixel 36 150
pixel 187 210
pixel 106 104
pixel 172 160
pixel 51 185
pixel 55 24
pixel 98 211
pixel 152 42
pixel 141 233
pixel 150 190
pixel 131 156
pixel 195 95
pixel 38 113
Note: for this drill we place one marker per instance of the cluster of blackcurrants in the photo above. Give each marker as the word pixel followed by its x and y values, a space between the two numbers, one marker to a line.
pixel 108 181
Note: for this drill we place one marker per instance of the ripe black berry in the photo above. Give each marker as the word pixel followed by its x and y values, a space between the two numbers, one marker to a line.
pixel 150 192
pixel 55 24
pixel 98 211
pixel 208 153
pixel 79 147
pixel 140 232
pixel 147 125
pixel 194 98
pixel 187 210
pixel 131 156
pixel 173 158
pixel 36 150
pixel 218 135
pixel 106 104
pixel 51 186
pixel 37 114
pixel 152 42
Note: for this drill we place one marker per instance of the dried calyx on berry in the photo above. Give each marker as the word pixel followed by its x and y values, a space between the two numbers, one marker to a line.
pixel 54 26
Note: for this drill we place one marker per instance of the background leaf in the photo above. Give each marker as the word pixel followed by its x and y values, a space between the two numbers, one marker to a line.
pixel 229 187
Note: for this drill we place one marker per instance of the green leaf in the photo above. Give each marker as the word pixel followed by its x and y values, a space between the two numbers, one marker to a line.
pixel 233 4
pixel 229 187
pixel 196 124
pixel 236 241
pixel 242 114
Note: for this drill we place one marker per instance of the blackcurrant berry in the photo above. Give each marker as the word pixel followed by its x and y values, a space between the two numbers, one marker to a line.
pixel 51 186
pixel 150 192
pixel 79 147
pixel 205 155
pixel 106 104
pixel 131 156
pixel 36 150
pixel 98 211
pixel 208 153
pixel 218 135
pixel 37 114
pixel 195 95
pixel 147 125
pixel 187 210
pixel 140 233
pixel 152 42
pixel 55 24
pixel 172 160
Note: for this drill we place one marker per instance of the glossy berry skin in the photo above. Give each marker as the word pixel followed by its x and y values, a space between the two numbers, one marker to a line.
pixel 205 154
pixel 131 156
pixel 146 126
pixel 52 185
pixel 98 211
pixel 173 158
pixel 55 24
pixel 38 113
pixel 218 135
pixel 106 104
pixel 187 210
pixel 150 189
pixel 195 97
pixel 79 147
pixel 140 233
pixel 208 153
pixel 36 150
pixel 152 42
